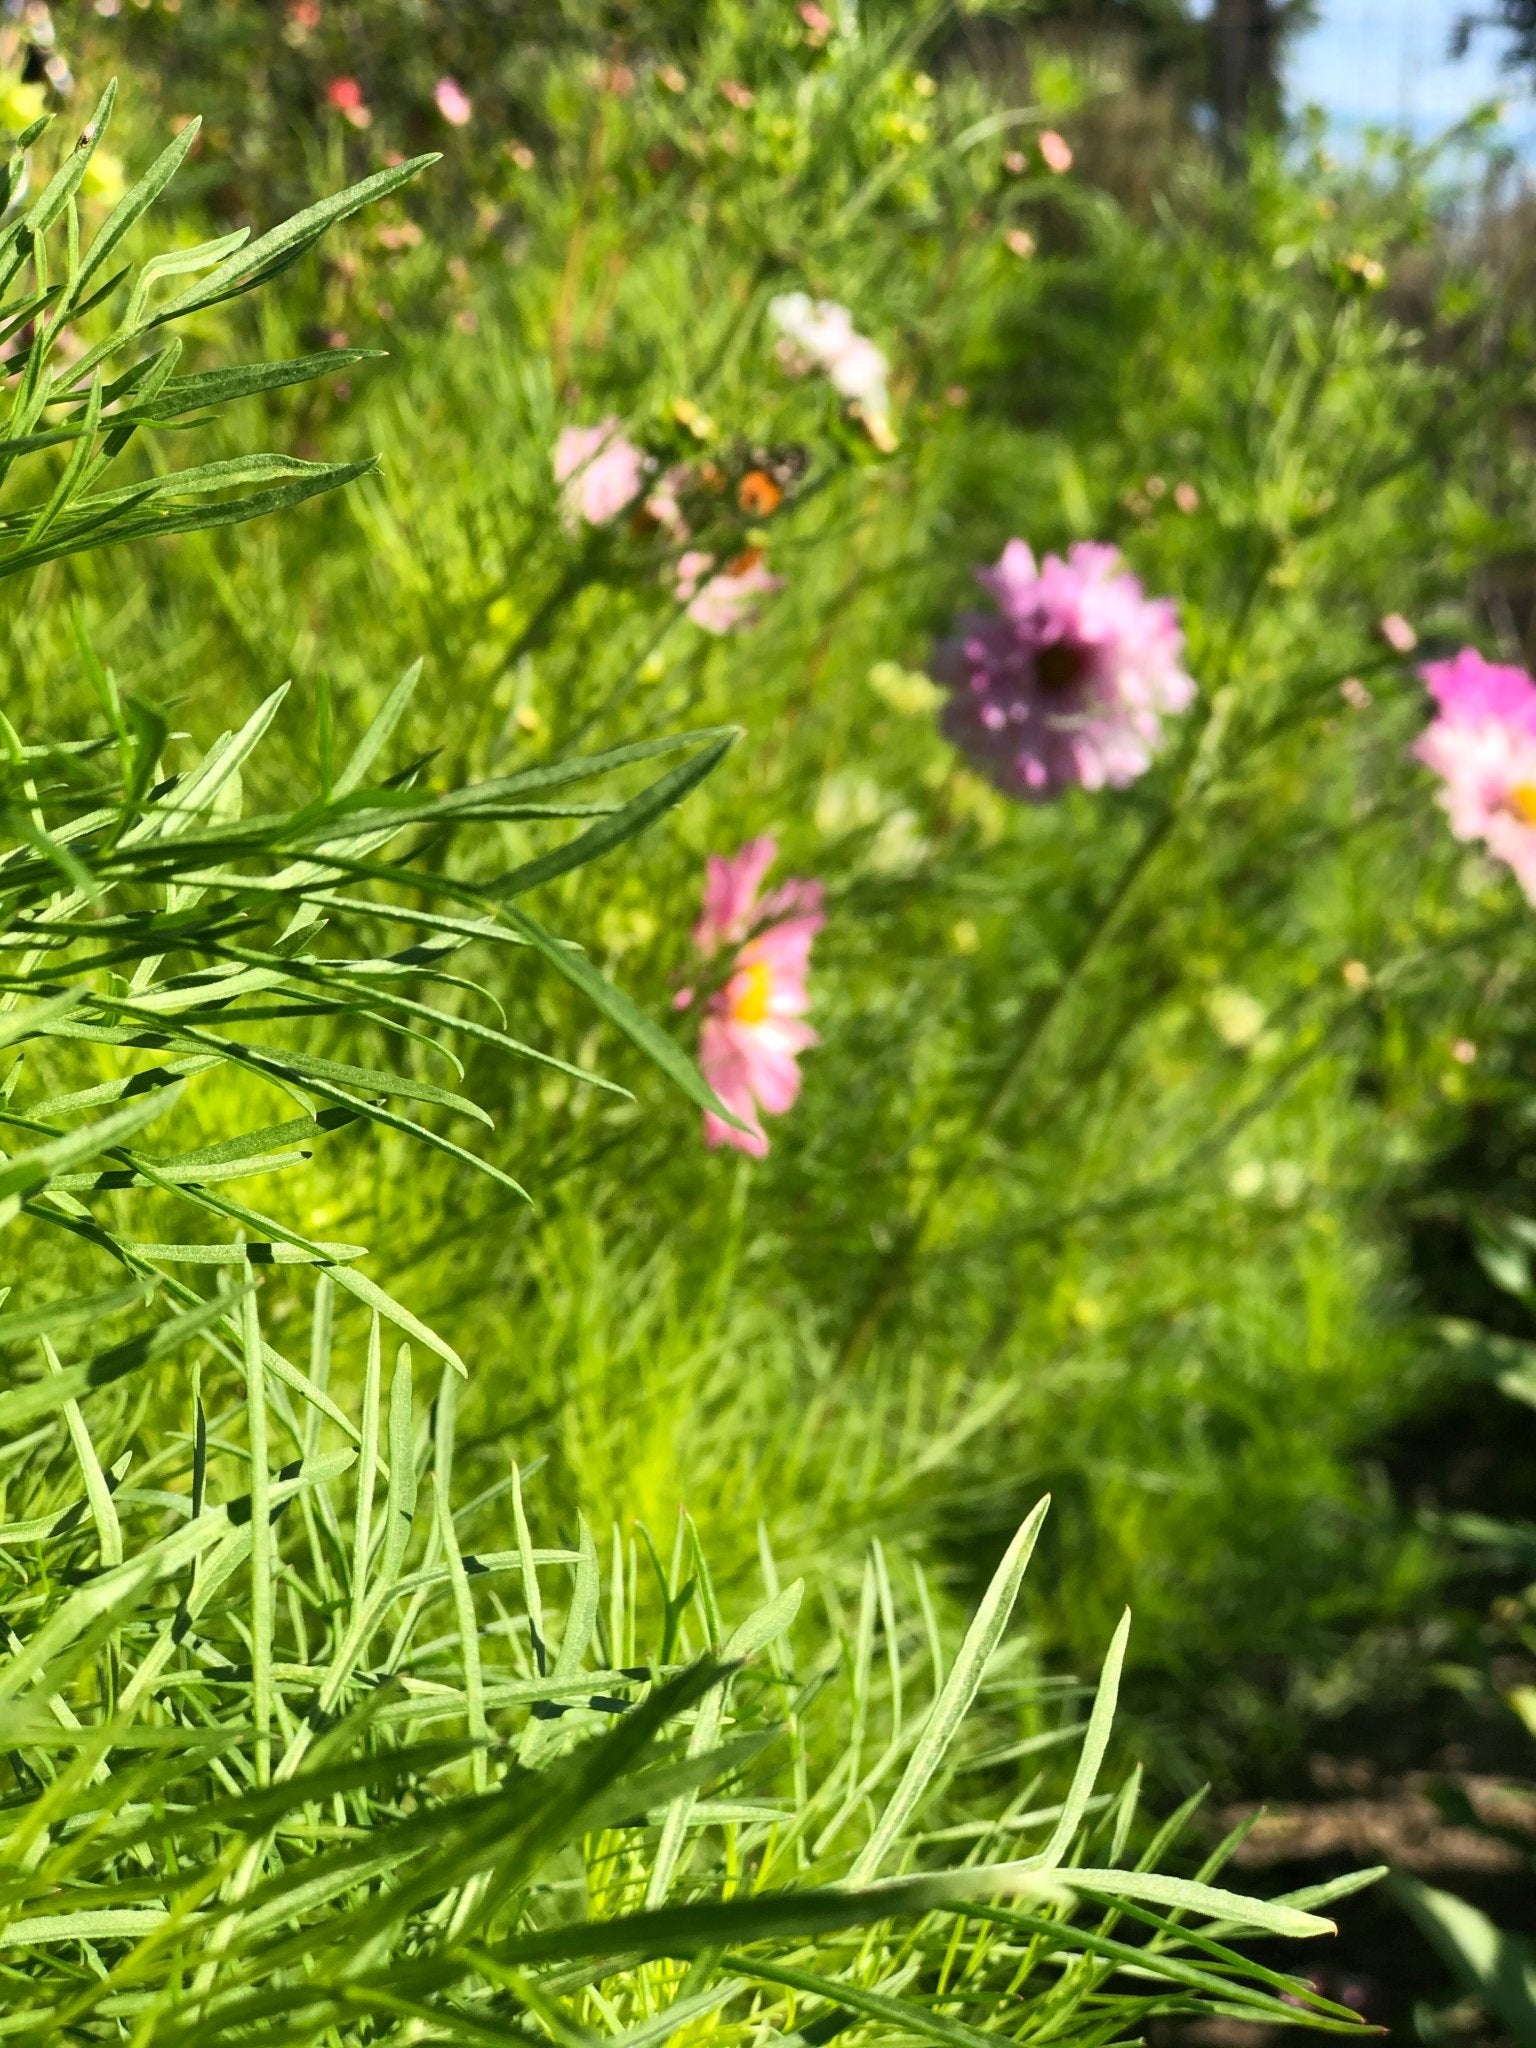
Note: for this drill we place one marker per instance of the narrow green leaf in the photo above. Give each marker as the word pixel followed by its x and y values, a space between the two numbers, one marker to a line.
pixel 1091 1756
pixel 954 1702
pixel 622 1012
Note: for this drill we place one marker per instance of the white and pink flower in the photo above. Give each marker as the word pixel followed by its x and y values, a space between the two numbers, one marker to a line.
pixel 453 102
pixel 1482 745
pixel 819 334
pixel 1069 680
pixel 755 1030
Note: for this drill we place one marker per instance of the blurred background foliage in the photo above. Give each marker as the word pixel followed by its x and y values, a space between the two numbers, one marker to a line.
pixel 1158 1141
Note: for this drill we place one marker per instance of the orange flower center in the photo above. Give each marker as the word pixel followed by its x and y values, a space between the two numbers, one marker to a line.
pixel 1522 801
pixel 750 992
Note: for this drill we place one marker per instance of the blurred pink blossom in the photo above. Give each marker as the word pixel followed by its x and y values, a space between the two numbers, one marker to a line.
pixel 1055 151
pixel 1470 690
pixel 346 96
pixel 752 1038
pixel 600 472
pixel 819 334
pixel 453 103
pixel 1069 680
pixel 1397 633
pixel 818 23
pixel 720 603
pixel 1355 694
pixel 1482 745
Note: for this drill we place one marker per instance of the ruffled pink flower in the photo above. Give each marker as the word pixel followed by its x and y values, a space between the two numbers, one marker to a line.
pixel 601 474
pixel 1472 691
pixel 720 603
pixel 453 103
pixel 1069 680
pixel 1482 745
pixel 755 1032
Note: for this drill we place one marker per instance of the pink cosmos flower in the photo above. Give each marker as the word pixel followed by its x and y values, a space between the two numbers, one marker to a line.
pixel 751 1040
pixel 600 472
pixel 720 603
pixel 1482 745
pixel 346 96
pixel 1069 680
pixel 453 103
pixel 1055 151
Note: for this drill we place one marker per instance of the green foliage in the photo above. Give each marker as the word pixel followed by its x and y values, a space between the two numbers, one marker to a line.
pixel 1093 1182
pixel 289 1760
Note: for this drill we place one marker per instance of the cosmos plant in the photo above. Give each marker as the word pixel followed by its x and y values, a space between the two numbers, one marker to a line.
pixel 1069 679
pixel 1482 745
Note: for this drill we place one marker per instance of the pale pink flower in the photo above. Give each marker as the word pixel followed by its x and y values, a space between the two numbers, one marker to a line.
pixel 1464 1052
pixel 662 501
pixel 1055 151
pixel 1069 680
pixel 1021 242
pixel 600 473
pixel 1355 694
pixel 1482 745
pixel 1397 633
pixel 1186 497
pixel 732 906
pixel 453 103
pixel 819 334
pixel 751 1040
pixel 720 603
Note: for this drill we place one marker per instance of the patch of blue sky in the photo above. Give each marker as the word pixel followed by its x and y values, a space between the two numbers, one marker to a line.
pixel 1387 64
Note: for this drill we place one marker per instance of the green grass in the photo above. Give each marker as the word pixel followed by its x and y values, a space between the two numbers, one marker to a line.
pixel 1161 1280
pixel 307 1738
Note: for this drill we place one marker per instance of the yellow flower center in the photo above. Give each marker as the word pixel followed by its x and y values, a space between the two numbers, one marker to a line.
pixel 1522 801
pixel 749 999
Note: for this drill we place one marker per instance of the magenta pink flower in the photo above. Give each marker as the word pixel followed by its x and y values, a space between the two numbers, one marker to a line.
pixel 755 1031
pixel 720 603
pixel 1069 680
pixel 453 103
pixel 601 473
pixel 1472 691
pixel 1482 745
